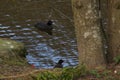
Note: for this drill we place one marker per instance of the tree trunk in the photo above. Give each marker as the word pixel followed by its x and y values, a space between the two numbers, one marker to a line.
pixel 114 27
pixel 105 23
pixel 89 37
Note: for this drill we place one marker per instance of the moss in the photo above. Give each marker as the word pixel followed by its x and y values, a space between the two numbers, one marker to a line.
pixel 13 47
pixel 12 57
pixel 10 49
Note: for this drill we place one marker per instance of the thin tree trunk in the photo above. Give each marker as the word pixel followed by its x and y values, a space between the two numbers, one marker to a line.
pixel 105 23
pixel 114 28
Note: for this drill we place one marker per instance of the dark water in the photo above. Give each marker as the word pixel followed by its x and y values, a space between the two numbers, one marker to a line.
pixel 17 19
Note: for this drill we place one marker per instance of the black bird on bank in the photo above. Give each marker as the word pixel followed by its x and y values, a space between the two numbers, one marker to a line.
pixel 59 64
pixel 45 27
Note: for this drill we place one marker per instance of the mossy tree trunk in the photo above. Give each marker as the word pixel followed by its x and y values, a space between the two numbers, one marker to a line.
pixel 89 37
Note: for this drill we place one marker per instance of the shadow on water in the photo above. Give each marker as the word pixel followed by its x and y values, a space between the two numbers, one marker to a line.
pixel 17 23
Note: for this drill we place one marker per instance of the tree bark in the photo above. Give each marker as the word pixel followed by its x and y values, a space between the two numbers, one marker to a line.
pixel 114 28
pixel 88 32
pixel 105 23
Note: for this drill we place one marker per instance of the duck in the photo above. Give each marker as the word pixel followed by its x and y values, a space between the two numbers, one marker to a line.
pixel 59 64
pixel 45 27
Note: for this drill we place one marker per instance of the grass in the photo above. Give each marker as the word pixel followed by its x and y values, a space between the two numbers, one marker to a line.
pixel 78 72
pixel 61 74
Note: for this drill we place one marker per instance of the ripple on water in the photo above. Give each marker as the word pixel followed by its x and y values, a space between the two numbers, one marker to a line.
pixel 44 50
pixel 46 53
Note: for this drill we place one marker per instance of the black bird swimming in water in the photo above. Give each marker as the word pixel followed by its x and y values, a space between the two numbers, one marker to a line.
pixel 59 64
pixel 45 27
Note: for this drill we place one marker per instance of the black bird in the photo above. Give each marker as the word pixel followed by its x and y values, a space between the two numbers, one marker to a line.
pixel 59 64
pixel 45 27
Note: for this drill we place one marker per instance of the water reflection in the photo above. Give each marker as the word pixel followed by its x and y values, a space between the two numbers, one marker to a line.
pixel 18 18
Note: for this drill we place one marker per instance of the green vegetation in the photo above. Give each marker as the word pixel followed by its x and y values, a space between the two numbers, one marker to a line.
pixel 117 59
pixel 61 74
pixel 95 73
pixel 67 73
pixel 74 74
pixel 12 52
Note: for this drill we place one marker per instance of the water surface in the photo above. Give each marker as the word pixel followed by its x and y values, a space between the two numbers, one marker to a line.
pixel 17 19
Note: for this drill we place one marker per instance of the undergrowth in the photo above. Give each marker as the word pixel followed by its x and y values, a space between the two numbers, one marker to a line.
pixel 61 74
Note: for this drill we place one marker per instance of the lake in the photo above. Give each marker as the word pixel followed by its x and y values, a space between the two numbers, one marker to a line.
pixel 17 19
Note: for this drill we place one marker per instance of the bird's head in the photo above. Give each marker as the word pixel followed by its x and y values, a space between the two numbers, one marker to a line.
pixel 49 23
pixel 60 61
